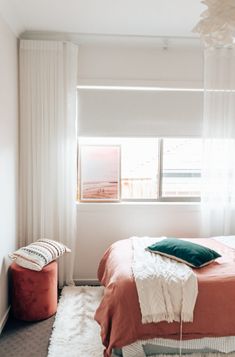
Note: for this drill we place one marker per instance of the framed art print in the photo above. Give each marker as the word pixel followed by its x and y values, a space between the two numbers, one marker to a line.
pixel 99 173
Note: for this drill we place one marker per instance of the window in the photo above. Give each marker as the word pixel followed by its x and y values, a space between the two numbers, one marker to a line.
pixel 139 169
pixel 181 167
pixel 155 169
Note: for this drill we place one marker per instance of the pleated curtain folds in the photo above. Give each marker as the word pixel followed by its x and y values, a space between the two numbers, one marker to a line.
pixel 218 171
pixel 48 146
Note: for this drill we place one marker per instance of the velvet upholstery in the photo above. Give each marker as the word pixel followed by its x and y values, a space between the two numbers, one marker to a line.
pixel 34 293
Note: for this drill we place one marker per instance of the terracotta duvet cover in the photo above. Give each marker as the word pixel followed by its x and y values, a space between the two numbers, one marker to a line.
pixel 119 312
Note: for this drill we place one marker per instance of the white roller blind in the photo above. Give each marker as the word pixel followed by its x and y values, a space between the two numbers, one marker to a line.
pixel 139 113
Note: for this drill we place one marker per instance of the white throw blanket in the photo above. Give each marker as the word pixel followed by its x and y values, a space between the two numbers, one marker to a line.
pixel 167 290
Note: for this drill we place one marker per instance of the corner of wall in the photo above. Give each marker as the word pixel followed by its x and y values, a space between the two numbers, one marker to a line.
pixel 9 122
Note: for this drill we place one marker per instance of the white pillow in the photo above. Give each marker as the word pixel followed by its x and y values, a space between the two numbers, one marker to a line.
pixel 38 254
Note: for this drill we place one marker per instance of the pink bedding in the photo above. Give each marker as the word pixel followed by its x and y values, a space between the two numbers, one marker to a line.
pixel 119 312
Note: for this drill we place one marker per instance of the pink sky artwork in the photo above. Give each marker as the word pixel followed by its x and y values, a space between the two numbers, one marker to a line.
pixel 100 163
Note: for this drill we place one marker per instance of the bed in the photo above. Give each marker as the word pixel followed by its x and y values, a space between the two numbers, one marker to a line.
pixel 119 313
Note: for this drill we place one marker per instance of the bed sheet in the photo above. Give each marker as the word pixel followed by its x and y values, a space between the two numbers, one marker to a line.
pixel 119 312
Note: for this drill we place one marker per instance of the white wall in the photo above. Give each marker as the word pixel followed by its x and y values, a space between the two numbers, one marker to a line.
pixel 8 156
pixel 99 225
pixel 139 65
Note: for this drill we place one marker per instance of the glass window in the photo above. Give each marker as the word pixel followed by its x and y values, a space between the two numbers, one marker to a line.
pixel 139 169
pixel 150 168
pixel 181 167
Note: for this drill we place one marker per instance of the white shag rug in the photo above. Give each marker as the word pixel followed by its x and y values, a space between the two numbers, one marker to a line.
pixel 75 332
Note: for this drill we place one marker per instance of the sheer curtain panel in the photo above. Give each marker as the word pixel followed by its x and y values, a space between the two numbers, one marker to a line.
pixel 48 75
pixel 218 173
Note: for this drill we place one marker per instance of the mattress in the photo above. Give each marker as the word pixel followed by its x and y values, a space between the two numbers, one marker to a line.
pixel 172 347
pixel 153 350
pixel 119 312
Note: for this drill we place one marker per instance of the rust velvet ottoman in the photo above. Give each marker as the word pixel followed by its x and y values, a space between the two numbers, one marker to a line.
pixel 34 293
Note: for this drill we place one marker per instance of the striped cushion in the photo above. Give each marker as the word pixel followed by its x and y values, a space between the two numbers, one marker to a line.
pixel 38 254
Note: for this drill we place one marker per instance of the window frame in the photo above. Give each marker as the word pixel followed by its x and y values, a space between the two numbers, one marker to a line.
pixel 160 199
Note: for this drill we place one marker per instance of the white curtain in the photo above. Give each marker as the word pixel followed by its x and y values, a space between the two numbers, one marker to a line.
pixel 48 76
pixel 218 173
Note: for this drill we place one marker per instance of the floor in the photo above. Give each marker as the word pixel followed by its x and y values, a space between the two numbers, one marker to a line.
pixel 25 339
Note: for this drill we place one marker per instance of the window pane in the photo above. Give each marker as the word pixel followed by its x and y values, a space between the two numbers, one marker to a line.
pixel 181 171
pixel 139 168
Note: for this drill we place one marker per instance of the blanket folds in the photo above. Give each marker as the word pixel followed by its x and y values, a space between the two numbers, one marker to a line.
pixel 167 290
pixel 119 312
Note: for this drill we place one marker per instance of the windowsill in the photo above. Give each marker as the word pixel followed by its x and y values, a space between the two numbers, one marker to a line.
pixel 128 207
pixel 141 203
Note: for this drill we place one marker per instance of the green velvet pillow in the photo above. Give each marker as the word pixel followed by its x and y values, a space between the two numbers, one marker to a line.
pixel 192 254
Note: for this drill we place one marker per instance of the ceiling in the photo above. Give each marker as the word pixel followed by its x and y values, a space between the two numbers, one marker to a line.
pixel 173 18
